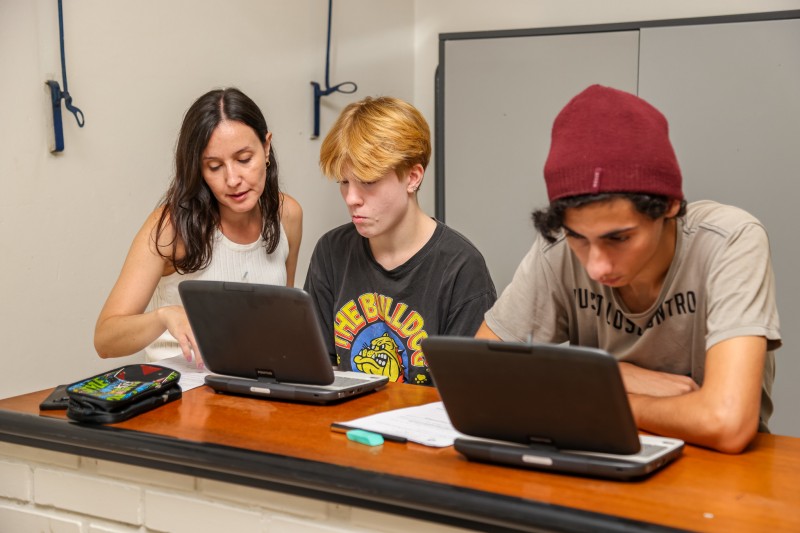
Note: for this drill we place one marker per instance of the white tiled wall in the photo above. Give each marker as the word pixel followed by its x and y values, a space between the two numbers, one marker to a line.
pixel 61 493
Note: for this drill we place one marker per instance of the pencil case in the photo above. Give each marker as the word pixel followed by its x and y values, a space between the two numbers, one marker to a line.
pixel 122 393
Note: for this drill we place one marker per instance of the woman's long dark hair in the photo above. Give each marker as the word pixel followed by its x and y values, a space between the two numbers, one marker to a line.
pixel 189 205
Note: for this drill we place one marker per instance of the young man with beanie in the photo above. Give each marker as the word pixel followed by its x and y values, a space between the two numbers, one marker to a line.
pixel 682 295
pixel 393 275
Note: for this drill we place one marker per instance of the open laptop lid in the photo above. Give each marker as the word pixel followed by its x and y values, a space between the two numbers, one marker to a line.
pixel 265 340
pixel 547 407
pixel 256 331
pixel 566 397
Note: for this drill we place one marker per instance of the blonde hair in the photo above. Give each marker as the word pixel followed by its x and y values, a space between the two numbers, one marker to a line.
pixel 375 136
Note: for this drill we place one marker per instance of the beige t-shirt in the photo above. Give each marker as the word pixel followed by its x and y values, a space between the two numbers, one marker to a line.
pixel 720 285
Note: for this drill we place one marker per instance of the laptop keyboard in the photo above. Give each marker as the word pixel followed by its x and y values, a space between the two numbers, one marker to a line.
pixel 342 381
pixel 339 382
pixel 649 450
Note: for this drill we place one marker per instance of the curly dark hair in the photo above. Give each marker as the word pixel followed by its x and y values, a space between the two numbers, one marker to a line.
pixel 550 220
pixel 189 205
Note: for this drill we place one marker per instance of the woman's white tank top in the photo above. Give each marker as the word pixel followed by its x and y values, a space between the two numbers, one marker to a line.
pixel 229 262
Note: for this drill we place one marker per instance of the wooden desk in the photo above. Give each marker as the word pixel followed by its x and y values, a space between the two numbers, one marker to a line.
pixel 289 447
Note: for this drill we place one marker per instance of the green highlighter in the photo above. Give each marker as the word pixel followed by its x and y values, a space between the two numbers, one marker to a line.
pixel 365 437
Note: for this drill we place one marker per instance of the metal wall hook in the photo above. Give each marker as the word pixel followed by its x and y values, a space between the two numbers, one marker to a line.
pixel 347 87
pixel 56 94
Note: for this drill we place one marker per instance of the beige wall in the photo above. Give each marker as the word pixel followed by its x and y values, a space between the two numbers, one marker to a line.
pixel 66 221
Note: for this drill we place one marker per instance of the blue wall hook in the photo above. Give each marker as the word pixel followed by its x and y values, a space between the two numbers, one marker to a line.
pixel 347 87
pixel 56 94
pixel 58 128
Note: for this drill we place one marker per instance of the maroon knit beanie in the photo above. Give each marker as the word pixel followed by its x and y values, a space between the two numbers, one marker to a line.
pixel 606 140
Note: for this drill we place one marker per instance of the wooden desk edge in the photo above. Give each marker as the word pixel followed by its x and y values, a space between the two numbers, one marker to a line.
pixel 446 504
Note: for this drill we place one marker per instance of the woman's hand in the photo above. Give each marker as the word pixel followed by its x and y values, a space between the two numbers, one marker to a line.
pixel 175 321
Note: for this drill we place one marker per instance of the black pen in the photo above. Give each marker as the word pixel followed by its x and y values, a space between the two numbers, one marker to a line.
pixel 341 428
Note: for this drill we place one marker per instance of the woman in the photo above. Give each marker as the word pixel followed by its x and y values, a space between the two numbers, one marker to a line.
pixel 222 218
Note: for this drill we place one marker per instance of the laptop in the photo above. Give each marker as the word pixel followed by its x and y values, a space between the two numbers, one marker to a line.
pixel 266 341
pixel 542 406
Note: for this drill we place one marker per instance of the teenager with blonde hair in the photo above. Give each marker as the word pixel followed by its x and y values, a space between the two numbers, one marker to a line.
pixel 392 276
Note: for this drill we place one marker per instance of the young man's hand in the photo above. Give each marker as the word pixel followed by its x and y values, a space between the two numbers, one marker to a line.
pixel 639 380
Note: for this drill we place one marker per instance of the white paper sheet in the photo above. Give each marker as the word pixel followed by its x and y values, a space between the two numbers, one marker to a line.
pixel 191 376
pixel 425 424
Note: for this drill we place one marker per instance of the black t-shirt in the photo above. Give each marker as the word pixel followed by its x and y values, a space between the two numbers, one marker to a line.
pixel 374 319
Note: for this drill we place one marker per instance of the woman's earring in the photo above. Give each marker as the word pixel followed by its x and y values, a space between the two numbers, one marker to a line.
pixel 267 163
